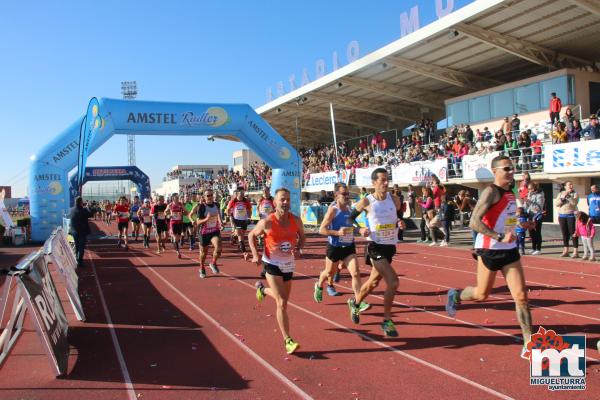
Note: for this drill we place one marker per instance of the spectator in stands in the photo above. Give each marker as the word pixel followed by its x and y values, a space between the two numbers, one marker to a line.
pixel 515 125
pixel 79 228
pixel 566 202
pixel 592 131
pixel 593 201
pixel 559 135
pixel 487 135
pixel 536 146
pixel 524 144
pixel 500 140
pixel 535 204
pixel 506 126
pixel 469 136
pixel 574 132
pixel 511 148
pixel 568 118
pixel 555 107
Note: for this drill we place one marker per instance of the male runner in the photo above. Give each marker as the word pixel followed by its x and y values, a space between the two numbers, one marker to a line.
pixel 209 220
pixel 340 247
pixel 145 216
pixel 189 229
pixel 122 212
pixel 175 211
pixel 240 209
pixel 384 216
pixel 494 219
pixel 135 220
pixel 283 231
pixel 160 222
pixel 107 212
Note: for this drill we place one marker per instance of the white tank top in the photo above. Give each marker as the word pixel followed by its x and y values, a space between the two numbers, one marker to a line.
pixel 383 220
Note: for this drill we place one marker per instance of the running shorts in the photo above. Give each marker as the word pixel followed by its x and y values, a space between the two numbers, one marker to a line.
pixel 207 238
pixel 123 225
pixel 495 260
pixel 161 226
pixel 340 253
pixel 187 225
pixel 378 252
pixel 240 223
pixel 275 271
pixel 176 229
pixel 148 224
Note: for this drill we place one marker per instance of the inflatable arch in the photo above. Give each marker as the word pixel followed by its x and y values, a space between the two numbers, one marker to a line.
pixel 49 183
pixel 124 173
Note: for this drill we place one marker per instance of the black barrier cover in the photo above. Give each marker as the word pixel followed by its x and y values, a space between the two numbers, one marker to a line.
pixel 49 314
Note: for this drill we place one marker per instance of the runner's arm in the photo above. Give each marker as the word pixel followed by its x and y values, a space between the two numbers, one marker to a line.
pixel 258 230
pixel 398 204
pixel 168 211
pixel 489 196
pixel 358 209
pixel 323 229
pixel 301 235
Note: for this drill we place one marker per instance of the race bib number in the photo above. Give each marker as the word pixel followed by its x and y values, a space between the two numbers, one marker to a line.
pixel 240 213
pixel 212 222
pixel 385 232
pixel 147 219
pixel 348 236
pixel 267 209
pixel 161 215
pixel 176 216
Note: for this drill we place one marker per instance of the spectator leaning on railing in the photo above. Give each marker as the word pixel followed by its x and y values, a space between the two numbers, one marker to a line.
pixel 592 131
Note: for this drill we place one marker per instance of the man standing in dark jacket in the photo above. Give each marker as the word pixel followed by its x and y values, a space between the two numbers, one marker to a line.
pixel 79 228
pixel 592 131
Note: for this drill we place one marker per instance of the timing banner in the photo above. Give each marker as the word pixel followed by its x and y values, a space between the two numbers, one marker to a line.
pixel 60 253
pixel 46 310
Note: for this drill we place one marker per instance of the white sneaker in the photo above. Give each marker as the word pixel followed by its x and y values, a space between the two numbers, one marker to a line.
pixel 444 244
pixel 536 253
pixel 434 243
pixel 531 252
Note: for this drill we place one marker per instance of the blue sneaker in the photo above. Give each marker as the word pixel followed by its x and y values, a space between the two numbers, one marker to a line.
pixel 336 277
pixel 331 291
pixel 452 302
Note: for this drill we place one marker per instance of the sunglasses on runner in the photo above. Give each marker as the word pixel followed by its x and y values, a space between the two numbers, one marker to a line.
pixel 506 169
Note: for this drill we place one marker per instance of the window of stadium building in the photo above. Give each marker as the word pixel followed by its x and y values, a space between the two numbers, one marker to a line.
pixel 238 161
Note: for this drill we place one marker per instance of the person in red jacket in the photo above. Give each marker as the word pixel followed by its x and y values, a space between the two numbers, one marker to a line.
pixel 555 107
pixel 121 210
pixel 240 210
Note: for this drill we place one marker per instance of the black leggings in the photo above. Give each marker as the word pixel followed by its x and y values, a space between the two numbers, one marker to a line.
pixel 536 236
pixel 567 228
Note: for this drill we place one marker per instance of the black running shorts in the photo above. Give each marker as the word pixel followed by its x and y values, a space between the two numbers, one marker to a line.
pixel 378 252
pixel 240 223
pixel 123 225
pixel 161 226
pixel 336 254
pixel 495 260
pixel 176 229
pixel 207 238
pixel 148 224
pixel 275 271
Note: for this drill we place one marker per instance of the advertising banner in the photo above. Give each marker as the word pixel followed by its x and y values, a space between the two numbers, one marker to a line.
pixel 46 309
pixel 310 215
pixel 572 157
pixel 60 253
pixel 478 166
pixel 363 176
pixel 326 180
pixel 419 172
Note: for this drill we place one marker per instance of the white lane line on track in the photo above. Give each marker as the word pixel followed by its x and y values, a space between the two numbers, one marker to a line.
pixel 362 335
pixel 113 335
pixel 529 266
pixel 245 348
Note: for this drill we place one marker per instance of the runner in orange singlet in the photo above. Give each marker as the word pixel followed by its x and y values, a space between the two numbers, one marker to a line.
pixel 283 232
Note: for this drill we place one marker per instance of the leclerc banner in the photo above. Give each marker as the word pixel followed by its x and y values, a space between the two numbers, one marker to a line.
pixel 363 176
pixel 478 166
pixel 326 180
pixel 46 309
pixel 572 157
pixel 420 172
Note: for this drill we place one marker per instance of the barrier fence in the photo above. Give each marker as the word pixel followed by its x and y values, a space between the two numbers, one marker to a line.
pixel 30 289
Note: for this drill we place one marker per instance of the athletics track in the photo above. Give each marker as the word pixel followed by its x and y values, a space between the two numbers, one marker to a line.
pixel 154 330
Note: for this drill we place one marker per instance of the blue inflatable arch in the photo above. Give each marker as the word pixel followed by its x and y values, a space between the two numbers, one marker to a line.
pixel 119 173
pixel 49 183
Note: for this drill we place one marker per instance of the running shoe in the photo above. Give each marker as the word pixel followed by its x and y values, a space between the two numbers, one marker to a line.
pixel 363 306
pixel 158 251
pixel 202 273
pixel 434 243
pixel 214 268
pixel 451 302
pixel 290 345
pixel 336 277
pixel 260 291
pixel 331 291
pixel 178 254
pixel 523 352
pixel 318 293
pixel 354 311
pixel 444 244
pixel 388 328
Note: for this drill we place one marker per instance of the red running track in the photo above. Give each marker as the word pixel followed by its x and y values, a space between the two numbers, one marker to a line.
pixel 157 331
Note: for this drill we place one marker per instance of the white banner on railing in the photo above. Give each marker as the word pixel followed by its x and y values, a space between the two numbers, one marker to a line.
pixel 363 176
pixel 326 180
pixel 478 166
pixel 420 172
pixel 572 157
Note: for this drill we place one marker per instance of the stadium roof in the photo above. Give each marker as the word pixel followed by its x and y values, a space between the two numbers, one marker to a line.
pixel 482 45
